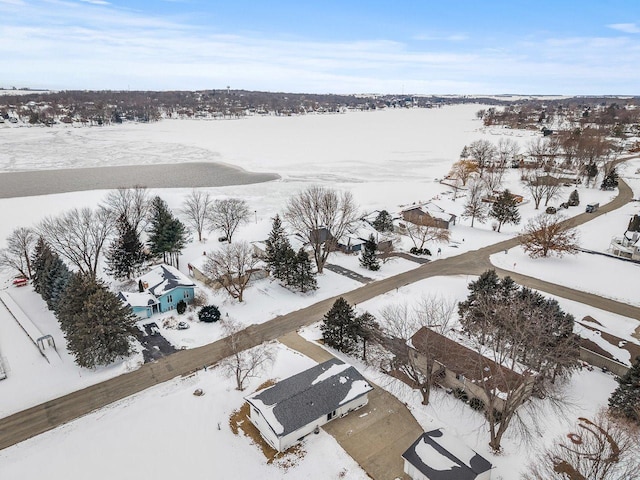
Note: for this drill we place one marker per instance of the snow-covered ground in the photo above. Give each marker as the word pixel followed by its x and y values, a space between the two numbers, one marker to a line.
pixel 167 432
pixel 387 159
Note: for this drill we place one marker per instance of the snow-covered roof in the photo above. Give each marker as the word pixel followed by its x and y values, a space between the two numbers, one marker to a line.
pixel 432 209
pixel 442 456
pixel 138 299
pixel 303 398
pixel 164 278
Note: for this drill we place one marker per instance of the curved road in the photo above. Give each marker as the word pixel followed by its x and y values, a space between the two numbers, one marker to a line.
pixel 41 418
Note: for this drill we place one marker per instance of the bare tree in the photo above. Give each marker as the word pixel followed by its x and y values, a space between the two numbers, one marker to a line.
pixel 231 266
pixel 401 322
pixel 79 235
pixel 475 208
pixel 463 170
pixel 553 188
pixel 17 255
pixel 134 203
pixel 536 186
pixel 226 215
pixel 506 152
pixel 598 449
pixel 244 364
pixel 195 210
pixel 421 229
pixel 531 343
pixel 321 216
pixel 493 177
pixel 483 152
pixel 547 234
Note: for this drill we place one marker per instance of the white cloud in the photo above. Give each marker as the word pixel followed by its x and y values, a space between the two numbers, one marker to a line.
pixel 625 27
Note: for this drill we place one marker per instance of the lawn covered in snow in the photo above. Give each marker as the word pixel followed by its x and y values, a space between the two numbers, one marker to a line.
pixel 167 432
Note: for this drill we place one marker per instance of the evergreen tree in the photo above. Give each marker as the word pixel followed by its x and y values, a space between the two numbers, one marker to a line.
pixel 365 327
pixel 368 258
pixel 55 282
pixel 383 222
pixel 303 277
pixel 40 261
pixel 505 209
pixel 126 252
pixel 167 234
pixel 610 181
pixel 277 250
pixel 634 224
pixel 96 325
pixel 338 327
pixel 209 314
pixel 591 172
pixel 625 400
pixel 158 226
pixel 574 199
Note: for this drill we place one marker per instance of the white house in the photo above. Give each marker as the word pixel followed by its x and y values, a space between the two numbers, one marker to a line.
pixel 626 246
pixel 438 455
pixel 296 406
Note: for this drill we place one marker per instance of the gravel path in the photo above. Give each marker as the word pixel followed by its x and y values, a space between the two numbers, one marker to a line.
pixel 179 175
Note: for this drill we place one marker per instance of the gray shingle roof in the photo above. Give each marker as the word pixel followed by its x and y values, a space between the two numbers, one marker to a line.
pixel 303 398
pixel 441 456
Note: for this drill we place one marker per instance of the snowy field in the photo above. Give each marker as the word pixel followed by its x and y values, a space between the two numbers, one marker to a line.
pixel 170 433
pixel 387 159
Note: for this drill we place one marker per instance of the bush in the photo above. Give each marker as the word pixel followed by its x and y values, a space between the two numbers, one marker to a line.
pixel 476 404
pixel 419 251
pixel 209 313
pixel 460 394
pixel 181 307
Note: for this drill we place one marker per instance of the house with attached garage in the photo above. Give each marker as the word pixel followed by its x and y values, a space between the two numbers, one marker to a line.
pixel 438 455
pixel 286 412
pixel 159 291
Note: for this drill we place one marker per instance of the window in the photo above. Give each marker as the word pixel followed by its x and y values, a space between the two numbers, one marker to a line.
pixel 170 298
pixel 186 294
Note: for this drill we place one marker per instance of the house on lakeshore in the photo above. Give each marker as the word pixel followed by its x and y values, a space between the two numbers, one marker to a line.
pixel 355 237
pixel 286 412
pixel 438 455
pixel 428 213
pixel 159 291
pixel 459 367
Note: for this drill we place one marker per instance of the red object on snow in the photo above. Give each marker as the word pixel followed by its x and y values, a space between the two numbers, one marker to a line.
pixel 20 282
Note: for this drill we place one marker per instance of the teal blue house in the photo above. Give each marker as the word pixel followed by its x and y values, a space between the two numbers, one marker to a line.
pixel 160 290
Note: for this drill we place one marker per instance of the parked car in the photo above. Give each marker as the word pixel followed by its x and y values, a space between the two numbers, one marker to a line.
pixel 182 326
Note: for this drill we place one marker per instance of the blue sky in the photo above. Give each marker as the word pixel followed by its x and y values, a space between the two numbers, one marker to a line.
pixel 588 47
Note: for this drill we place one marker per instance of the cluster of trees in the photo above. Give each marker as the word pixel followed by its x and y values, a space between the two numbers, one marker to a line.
pixel 524 331
pixel 345 331
pixel 97 326
pixel 291 268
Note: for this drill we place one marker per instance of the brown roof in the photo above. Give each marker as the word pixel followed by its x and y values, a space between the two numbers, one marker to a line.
pixel 465 361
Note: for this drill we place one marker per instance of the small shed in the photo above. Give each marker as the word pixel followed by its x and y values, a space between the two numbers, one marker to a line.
pixel 296 406
pixel 438 455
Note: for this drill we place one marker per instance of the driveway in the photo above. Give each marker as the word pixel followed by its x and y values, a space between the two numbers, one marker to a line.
pixel 376 435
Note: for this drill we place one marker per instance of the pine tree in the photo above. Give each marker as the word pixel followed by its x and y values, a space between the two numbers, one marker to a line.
pixel 126 253
pixel 574 199
pixel 610 181
pixel 158 226
pixel 383 222
pixel 40 261
pixel 96 325
pixel 625 400
pixel 167 235
pixel 277 248
pixel 505 209
pixel 368 258
pixel 364 327
pixel 338 330
pixel 55 282
pixel 303 277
